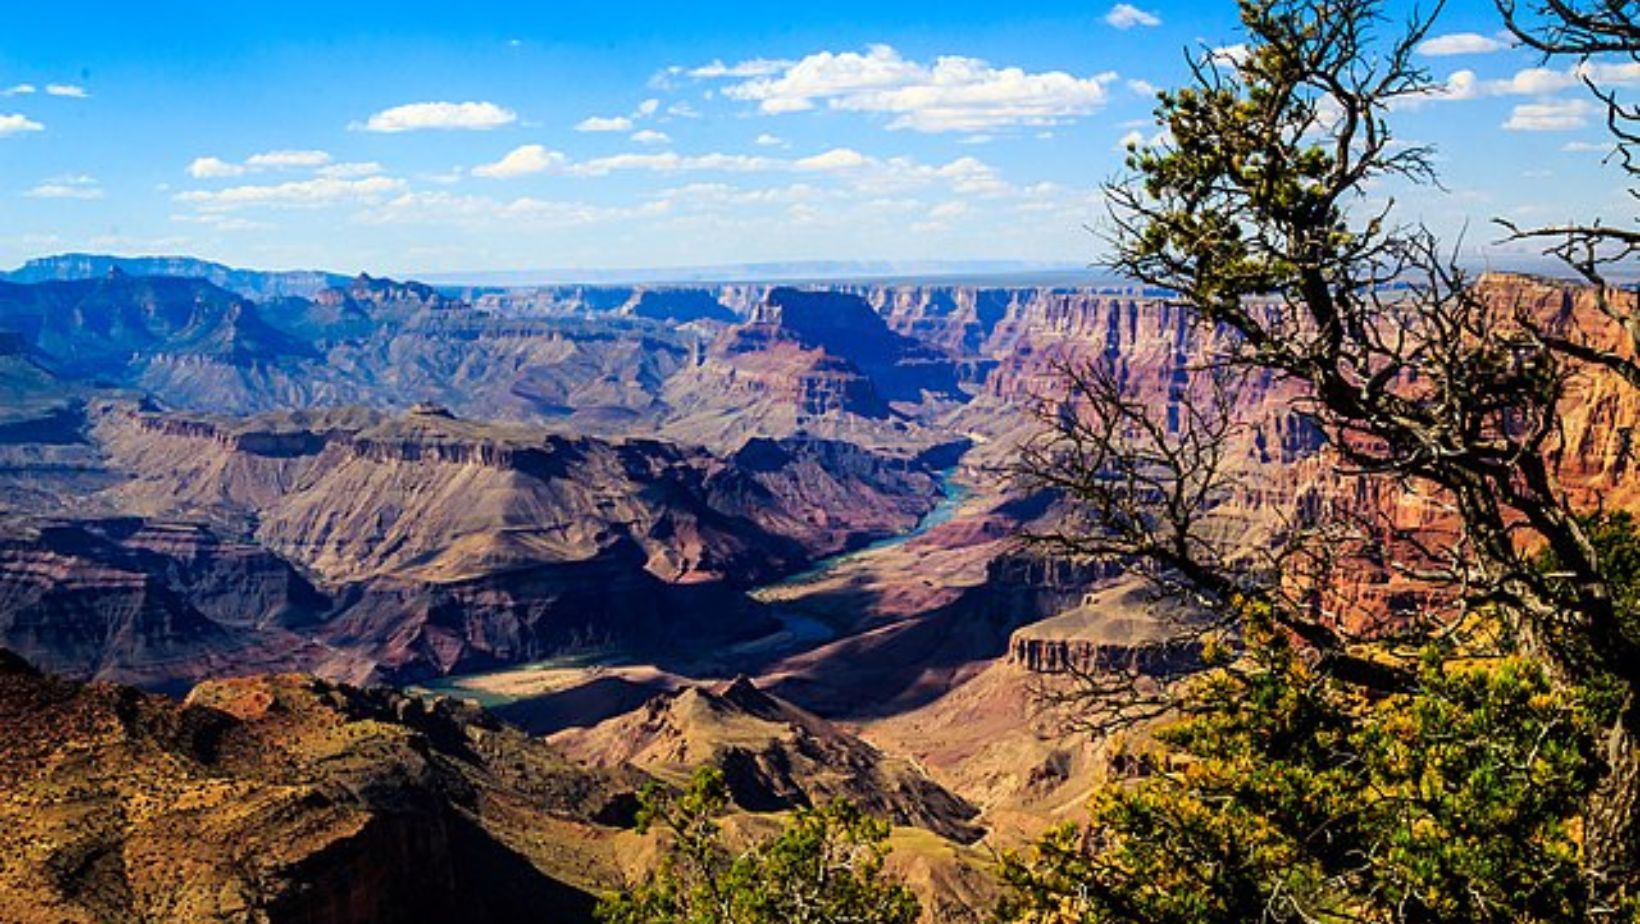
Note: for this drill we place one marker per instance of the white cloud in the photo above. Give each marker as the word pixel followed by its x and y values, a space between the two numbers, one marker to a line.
pixel 1126 16
pixel 475 116
pixel 646 108
pixel 1551 116
pixel 1461 43
pixel 1538 81
pixel 1588 147
pixel 675 163
pixel 351 169
pixel 282 159
pixel 953 94
pixel 204 168
pixel 769 141
pixel 66 89
pixel 445 209
pixel 604 124
pixel 220 222
pixel 16 124
pixel 650 136
pixel 683 111
pixel 313 193
pixel 834 159
pixel 19 89
pixel 74 186
pixel 522 161
pixel 756 67
pixel 1229 55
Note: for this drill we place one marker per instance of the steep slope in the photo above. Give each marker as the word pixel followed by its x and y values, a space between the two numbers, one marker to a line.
pixel 773 756
pixel 283 799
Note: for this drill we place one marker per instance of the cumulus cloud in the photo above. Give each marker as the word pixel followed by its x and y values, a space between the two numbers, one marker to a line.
pixel 206 168
pixel 604 124
pixel 955 93
pixel 1550 116
pixel 1126 16
pixel 16 124
pixel 66 89
pixel 312 193
pixel 1460 43
pixel 470 116
pixel 72 186
pixel 19 89
pixel 769 141
pixel 522 161
pixel 646 108
pixel 834 159
pixel 1539 81
pixel 650 136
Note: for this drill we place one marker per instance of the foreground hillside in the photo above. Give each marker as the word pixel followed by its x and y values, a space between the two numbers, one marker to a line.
pixel 288 799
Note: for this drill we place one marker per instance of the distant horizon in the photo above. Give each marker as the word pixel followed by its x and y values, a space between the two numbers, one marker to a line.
pixel 810 271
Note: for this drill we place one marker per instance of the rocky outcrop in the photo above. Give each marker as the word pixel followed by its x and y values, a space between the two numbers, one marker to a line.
pixel 773 756
pixel 284 799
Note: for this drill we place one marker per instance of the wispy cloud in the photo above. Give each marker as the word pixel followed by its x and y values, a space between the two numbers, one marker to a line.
pixel 16 124
pixel 68 186
pixel 604 124
pixel 754 67
pixel 670 162
pixel 447 209
pixel 650 136
pixel 1125 16
pixel 352 169
pixel 312 193
pixel 73 91
pixel 1552 116
pixel 410 117
pixel 288 158
pixel 19 89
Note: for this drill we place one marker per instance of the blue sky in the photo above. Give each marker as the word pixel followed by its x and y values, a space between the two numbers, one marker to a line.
pixel 414 137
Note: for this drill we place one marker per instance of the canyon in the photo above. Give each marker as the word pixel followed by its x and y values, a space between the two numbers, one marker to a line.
pixel 361 566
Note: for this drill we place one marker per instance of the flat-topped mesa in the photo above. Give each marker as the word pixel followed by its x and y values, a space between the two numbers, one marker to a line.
pixel 376 292
pixel 277 442
pixel 549 460
pixel 1124 626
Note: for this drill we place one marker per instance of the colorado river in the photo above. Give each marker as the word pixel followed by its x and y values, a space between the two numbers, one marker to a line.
pixel 799 628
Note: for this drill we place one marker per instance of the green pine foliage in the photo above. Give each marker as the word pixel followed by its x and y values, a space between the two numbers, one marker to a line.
pixel 825 867
pixel 1285 796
